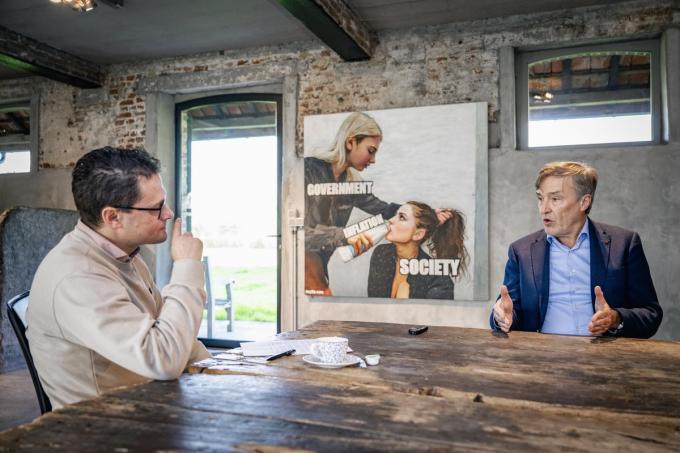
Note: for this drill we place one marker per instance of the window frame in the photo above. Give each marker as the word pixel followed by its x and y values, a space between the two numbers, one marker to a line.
pixel 32 103
pixel 182 105
pixel 524 58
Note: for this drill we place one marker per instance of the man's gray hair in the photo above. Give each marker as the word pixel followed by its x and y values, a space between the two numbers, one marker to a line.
pixel 583 176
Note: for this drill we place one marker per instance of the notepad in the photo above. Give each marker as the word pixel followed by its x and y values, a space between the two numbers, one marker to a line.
pixel 269 348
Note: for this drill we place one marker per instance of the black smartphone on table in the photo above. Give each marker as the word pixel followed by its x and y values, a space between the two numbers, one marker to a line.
pixel 417 330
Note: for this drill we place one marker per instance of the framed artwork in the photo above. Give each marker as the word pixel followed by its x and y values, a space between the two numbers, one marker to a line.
pixel 396 204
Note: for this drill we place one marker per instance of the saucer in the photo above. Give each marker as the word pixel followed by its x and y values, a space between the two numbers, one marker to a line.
pixel 314 360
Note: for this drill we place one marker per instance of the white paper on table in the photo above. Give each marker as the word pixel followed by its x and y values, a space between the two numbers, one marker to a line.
pixel 267 348
pixel 227 356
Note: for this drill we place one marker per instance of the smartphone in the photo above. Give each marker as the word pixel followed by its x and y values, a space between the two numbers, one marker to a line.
pixel 417 330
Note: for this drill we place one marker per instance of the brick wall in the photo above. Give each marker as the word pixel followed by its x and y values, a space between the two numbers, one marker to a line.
pixel 422 66
pixel 413 67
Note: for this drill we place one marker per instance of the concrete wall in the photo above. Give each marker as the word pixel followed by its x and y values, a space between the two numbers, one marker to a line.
pixel 422 66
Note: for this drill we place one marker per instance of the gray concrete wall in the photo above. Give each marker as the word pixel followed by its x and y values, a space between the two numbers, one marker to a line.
pixel 639 189
pixel 422 66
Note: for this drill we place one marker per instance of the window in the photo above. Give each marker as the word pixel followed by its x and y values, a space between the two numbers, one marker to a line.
pixel 15 137
pixel 228 188
pixel 600 94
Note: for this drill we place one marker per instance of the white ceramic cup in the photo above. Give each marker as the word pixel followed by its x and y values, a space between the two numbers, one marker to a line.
pixel 372 359
pixel 330 349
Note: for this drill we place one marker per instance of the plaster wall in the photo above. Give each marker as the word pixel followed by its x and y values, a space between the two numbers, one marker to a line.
pixel 453 63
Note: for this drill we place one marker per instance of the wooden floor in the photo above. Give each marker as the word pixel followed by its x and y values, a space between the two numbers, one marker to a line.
pixel 18 403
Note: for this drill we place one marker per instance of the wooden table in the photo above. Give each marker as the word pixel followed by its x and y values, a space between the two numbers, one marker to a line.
pixel 450 389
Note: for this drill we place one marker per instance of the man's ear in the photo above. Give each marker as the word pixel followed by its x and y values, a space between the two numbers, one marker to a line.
pixel 111 217
pixel 419 234
pixel 586 201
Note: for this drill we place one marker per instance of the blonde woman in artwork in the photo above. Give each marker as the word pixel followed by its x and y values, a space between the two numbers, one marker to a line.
pixel 354 149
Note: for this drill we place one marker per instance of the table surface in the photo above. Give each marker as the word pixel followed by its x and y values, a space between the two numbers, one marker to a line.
pixel 450 389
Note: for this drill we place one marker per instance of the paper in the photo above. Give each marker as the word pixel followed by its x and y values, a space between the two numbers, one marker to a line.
pixel 228 356
pixel 267 348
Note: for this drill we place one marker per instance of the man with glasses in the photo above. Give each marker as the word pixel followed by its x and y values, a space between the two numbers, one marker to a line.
pixel 96 320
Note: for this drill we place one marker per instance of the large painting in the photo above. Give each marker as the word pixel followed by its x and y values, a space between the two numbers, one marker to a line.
pixel 396 204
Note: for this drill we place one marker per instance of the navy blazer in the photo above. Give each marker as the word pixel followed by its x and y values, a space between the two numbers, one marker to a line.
pixel 617 264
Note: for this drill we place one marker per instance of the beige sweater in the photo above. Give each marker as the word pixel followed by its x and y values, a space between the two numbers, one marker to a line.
pixel 95 323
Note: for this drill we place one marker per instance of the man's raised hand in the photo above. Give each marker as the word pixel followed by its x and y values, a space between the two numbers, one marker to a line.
pixel 502 311
pixel 184 245
pixel 604 318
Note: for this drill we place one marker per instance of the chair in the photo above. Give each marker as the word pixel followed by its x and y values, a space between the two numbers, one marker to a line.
pixel 212 302
pixel 16 313
pixel 26 236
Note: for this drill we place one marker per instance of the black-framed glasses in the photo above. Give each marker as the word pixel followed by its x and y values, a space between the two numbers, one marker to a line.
pixel 159 209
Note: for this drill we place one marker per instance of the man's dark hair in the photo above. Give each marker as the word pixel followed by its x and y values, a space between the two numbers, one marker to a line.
pixel 108 177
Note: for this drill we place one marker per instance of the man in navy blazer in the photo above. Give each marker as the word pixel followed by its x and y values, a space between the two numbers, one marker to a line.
pixel 576 277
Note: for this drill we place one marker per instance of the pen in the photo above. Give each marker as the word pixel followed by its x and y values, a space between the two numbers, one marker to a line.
pixel 279 355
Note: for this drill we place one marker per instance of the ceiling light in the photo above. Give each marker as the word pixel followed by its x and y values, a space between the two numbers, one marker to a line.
pixel 78 5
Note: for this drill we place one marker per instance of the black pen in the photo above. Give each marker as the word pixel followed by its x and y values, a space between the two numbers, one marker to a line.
pixel 279 355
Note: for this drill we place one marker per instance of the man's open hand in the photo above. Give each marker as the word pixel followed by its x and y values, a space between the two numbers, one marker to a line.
pixel 604 318
pixel 184 245
pixel 502 311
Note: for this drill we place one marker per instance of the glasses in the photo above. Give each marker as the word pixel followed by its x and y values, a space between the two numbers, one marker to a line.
pixel 159 209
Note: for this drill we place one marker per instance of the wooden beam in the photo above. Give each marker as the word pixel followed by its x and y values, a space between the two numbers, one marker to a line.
pixel 566 74
pixel 18 122
pixel 614 70
pixel 233 122
pixel 26 54
pixel 7 141
pixel 336 24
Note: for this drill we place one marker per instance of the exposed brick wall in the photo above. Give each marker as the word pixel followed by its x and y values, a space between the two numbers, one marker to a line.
pixel 129 107
pixel 422 66
pixel 415 67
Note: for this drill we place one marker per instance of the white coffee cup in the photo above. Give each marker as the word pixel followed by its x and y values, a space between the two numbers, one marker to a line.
pixel 330 349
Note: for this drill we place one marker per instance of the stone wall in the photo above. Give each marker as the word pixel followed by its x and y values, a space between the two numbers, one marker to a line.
pixel 445 64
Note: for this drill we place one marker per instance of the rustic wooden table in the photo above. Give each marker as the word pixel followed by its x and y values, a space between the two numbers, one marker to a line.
pixel 450 389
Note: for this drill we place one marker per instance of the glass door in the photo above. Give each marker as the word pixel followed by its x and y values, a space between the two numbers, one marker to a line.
pixel 228 194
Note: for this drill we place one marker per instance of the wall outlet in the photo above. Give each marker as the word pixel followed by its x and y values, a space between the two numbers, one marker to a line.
pixel 296 221
pixel 294 218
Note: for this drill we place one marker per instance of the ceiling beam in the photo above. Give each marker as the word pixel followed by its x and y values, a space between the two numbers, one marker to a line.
pixel 18 122
pixel 614 69
pixel 26 54
pixel 336 24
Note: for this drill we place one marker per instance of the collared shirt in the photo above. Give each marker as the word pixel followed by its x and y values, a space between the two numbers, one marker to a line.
pixel 109 247
pixel 570 308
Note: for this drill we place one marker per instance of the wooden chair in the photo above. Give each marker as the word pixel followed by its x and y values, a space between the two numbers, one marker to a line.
pixel 16 313
pixel 213 303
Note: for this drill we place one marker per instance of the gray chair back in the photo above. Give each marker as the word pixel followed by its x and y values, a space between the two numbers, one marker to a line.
pixel 26 236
